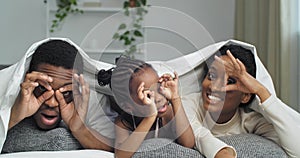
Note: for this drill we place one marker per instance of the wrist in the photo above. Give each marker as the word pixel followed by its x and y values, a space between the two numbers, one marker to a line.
pixel 175 98
pixel 263 93
pixel 78 129
pixel 150 119
pixel 15 117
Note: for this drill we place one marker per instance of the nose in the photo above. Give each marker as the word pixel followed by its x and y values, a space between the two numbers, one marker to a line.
pixel 159 98
pixel 52 102
pixel 217 85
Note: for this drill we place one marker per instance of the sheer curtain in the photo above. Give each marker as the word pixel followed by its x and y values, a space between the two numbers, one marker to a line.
pixel 273 27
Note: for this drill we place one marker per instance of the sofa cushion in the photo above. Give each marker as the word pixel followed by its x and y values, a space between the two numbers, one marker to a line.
pixel 164 148
pixel 254 146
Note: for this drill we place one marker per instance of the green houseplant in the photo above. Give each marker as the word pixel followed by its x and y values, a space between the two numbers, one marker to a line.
pixel 64 8
pixel 128 35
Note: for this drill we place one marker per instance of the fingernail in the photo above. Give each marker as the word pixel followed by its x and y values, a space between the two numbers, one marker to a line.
pixel 50 79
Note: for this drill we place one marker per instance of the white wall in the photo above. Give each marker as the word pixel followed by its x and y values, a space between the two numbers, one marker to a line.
pixel 217 16
pixel 24 22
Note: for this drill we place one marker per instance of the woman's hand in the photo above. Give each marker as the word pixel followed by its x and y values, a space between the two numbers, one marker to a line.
pixel 245 82
pixel 224 153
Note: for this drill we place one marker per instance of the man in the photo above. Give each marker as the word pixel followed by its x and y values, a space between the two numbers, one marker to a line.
pixel 54 95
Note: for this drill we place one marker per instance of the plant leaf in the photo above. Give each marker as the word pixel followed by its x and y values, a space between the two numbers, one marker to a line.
pixel 126 4
pixel 138 33
pixel 132 48
pixel 127 41
pixel 116 36
pixel 126 33
pixel 138 26
pixel 122 26
pixel 126 12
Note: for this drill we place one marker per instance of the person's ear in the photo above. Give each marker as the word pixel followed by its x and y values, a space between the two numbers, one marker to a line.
pixel 246 97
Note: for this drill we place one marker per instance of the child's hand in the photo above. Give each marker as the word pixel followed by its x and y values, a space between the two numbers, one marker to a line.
pixel 169 86
pixel 147 98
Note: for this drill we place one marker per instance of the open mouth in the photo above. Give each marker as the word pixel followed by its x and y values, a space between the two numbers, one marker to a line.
pixel 49 119
pixel 214 99
pixel 49 116
pixel 162 109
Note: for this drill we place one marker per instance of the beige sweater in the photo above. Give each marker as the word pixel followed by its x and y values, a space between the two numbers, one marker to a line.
pixel 244 121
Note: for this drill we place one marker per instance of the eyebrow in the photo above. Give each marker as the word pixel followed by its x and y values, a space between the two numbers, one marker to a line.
pixel 213 68
pixel 66 84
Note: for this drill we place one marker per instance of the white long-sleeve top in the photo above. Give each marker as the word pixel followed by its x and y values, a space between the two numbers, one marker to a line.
pixel 274 121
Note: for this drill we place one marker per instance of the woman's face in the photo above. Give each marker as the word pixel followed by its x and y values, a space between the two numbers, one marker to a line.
pixel 150 78
pixel 215 99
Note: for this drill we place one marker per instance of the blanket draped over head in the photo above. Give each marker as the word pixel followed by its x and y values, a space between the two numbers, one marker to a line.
pixel 189 67
pixel 13 76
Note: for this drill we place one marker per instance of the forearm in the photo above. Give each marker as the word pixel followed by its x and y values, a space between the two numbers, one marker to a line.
pixel 211 146
pixel 15 116
pixel 285 121
pixel 91 139
pixel 130 145
pixel 183 127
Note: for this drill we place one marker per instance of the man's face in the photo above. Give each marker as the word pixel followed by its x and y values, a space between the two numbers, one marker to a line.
pixel 48 115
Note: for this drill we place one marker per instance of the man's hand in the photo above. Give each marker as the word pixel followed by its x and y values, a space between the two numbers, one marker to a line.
pixel 27 103
pixel 74 112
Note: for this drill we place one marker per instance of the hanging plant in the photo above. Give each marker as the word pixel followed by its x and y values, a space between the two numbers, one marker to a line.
pixel 128 35
pixel 65 7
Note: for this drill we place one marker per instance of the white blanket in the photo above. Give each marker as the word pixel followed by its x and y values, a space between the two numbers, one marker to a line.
pixel 61 154
pixel 188 68
pixel 13 76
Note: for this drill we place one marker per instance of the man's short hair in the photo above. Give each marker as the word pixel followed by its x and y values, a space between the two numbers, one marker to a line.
pixel 57 53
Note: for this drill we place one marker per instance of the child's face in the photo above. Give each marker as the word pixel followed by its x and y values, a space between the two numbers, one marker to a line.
pixel 150 78
pixel 215 99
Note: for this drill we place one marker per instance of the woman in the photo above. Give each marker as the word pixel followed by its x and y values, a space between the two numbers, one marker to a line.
pixel 223 106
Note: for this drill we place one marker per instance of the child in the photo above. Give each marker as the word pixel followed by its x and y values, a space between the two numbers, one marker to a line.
pixel 151 107
pixel 228 88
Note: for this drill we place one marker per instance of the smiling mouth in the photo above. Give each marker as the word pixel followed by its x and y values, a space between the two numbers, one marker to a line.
pixel 214 99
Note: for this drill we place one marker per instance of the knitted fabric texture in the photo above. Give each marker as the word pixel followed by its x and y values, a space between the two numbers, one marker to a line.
pixel 246 145
pixel 25 136
pixel 165 148
pixel 254 146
